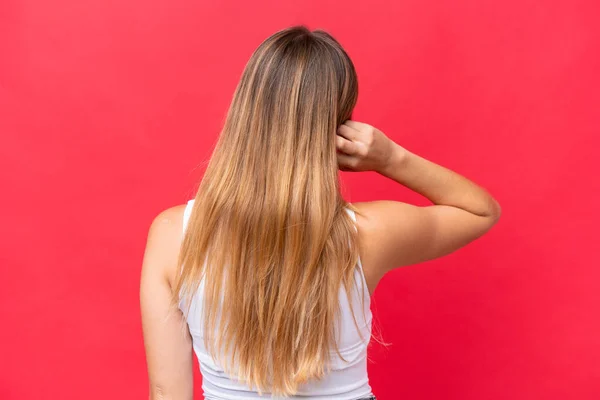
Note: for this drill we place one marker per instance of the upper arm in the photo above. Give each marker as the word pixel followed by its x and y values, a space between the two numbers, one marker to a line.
pixel 166 338
pixel 396 234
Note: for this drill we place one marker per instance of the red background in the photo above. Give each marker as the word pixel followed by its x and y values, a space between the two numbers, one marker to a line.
pixel 108 110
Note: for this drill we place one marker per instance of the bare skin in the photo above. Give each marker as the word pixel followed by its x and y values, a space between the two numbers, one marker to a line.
pixel 391 234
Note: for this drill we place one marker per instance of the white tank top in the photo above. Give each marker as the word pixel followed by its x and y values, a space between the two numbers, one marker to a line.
pixel 346 380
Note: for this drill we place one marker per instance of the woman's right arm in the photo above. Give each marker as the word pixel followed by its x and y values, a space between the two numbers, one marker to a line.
pixel 394 233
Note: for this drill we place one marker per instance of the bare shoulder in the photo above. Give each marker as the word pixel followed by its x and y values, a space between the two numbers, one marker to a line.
pixel 163 242
pixel 370 220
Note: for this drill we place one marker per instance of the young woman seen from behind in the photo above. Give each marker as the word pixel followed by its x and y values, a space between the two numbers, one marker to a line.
pixel 267 273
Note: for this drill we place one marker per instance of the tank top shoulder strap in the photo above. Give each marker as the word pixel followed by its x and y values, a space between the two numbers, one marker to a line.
pixel 353 216
pixel 186 213
pixel 359 262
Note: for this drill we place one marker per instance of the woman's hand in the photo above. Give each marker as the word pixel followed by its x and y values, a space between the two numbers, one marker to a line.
pixel 362 147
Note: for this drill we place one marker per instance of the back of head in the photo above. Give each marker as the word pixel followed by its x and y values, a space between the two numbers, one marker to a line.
pixel 268 233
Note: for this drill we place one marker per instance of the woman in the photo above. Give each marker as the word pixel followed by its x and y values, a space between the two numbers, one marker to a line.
pixel 267 274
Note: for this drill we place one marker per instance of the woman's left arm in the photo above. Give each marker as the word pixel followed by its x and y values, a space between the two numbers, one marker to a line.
pixel 166 337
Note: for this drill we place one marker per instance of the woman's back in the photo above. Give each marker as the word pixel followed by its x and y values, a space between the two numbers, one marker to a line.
pixel 270 197
pixel 347 380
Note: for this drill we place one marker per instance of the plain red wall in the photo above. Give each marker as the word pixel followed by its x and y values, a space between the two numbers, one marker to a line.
pixel 108 110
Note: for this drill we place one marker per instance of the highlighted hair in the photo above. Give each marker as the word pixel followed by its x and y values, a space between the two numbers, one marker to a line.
pixel 268 233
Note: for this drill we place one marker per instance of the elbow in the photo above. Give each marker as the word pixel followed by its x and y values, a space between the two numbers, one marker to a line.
pixel 157 392
pixel 160 392
pixel 495 211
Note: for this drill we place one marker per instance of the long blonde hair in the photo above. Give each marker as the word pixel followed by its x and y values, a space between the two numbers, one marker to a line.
pixel 268 232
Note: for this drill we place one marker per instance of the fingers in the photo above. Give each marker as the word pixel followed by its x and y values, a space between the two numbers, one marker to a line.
pixel 348 144
pixel 345 146
pixel 347 132
pixel 345 162
pixel 355 124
